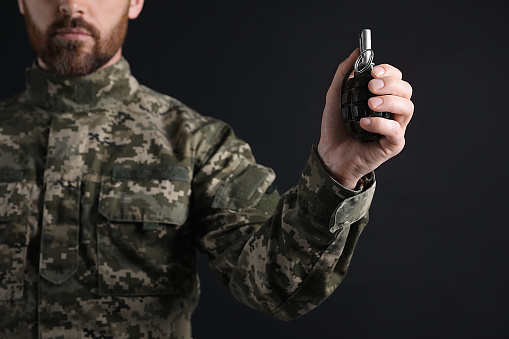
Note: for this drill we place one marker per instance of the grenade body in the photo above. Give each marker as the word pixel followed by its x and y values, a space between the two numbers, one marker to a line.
pixel 354 105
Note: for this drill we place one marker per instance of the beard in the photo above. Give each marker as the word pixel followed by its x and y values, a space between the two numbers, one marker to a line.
pixel 70 57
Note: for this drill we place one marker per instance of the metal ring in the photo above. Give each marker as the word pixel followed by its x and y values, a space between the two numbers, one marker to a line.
pixel 356 65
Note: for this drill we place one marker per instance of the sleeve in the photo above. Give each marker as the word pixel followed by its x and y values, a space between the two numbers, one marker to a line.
pixel 281 255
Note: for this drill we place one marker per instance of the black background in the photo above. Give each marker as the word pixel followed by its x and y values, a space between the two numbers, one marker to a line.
pixel 432 263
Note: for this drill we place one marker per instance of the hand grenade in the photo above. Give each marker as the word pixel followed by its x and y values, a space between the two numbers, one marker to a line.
pixel 355 92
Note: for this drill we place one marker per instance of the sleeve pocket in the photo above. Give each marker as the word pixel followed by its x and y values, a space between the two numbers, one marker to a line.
pixel 246 187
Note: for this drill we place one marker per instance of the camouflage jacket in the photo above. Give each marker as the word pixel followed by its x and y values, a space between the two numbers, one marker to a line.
pixel 107 189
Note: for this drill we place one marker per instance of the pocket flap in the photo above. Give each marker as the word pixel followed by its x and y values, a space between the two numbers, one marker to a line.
pixel 245 189
pixel 164 200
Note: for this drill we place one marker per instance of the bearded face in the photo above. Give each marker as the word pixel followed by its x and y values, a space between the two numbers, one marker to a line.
pixel 74 56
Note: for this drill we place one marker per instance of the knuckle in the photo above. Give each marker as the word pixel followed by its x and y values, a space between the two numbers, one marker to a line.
pixel 410 90
pixel 392 128
pixel 391 105
pixel 412 107
pixel 393 82
pixel 406 89
pixel 397 130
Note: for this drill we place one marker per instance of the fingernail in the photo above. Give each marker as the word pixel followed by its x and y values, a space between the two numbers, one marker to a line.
pixel 376 101
pixel 365 121
pixel 378 71
pixel 377 83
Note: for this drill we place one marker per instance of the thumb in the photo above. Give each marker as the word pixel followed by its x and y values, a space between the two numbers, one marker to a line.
pixel 341 72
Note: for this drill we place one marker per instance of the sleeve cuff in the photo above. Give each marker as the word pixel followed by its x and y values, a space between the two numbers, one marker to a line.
pixel 340 205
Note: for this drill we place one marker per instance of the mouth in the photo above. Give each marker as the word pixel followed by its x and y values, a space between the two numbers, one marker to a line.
pixel 73 34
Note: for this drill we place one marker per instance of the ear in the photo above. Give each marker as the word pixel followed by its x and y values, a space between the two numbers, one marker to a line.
pixel 135 8
pixel 21 6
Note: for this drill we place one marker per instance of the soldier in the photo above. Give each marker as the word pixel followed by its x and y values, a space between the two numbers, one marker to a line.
pixel 108 188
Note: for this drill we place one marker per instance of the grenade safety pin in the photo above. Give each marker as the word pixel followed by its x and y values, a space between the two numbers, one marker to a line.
pixel 355 92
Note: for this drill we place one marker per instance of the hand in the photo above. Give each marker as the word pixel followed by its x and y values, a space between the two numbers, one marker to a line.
pixel 348 159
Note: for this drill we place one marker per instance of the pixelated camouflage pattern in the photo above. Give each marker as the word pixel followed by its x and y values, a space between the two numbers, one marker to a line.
pixel 107 189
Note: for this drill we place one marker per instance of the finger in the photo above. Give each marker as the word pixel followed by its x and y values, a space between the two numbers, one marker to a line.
pixel 386 70
pixel 335 87
pixel 402 108
pixel 391 129
pixel 390 85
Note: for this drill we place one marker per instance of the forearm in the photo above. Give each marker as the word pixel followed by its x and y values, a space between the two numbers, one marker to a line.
pixel 287 263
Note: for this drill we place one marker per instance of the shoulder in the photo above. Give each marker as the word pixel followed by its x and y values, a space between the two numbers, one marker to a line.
pixel 12 106
pixel 171 111
pixel 13 101
pixel 185 127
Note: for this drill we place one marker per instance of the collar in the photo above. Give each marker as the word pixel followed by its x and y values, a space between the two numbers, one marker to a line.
pixel 80 93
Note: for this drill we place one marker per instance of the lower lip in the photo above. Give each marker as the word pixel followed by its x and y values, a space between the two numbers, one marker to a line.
pixel 74 36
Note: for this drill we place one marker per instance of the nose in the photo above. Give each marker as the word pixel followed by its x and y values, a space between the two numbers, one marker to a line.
pixel 72 7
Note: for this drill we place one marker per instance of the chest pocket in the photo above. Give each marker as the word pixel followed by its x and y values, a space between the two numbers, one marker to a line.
pixel 144 247
pixel 13 235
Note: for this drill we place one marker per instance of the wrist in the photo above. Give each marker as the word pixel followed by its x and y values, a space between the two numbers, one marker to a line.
pixel 351 185
pixel 339 173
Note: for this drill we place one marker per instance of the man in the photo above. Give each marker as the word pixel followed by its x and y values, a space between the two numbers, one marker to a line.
pixel 107 188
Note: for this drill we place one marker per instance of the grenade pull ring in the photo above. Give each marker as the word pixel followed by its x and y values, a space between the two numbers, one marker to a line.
pixel 366 56
pixel 360 61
